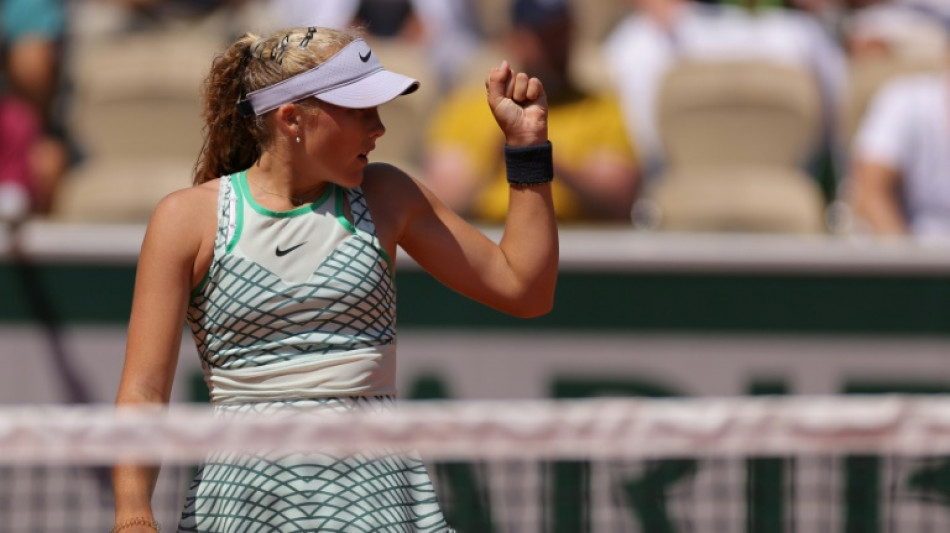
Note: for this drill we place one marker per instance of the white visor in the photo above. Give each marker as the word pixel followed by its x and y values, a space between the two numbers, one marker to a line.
pixel 353 78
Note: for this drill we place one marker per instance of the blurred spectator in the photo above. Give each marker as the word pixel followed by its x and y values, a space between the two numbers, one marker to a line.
pixel 660 33
pixel 900 174
pixel 905 30
pixel 20 132
pixel 138 120
pixel 35 154
pixel 825 10
pixel 448 29
pixel 884 40
pixel 144 13
pixel 594 161
pixel 939 8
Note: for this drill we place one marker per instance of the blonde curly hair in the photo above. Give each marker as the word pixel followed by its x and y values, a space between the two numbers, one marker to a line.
pixel 232 141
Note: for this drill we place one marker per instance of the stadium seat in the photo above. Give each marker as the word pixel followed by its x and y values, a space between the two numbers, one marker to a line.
pixel 135 110
pixel 737 135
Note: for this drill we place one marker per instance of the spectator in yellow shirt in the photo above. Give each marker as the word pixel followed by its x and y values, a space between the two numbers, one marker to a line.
pixel 595 167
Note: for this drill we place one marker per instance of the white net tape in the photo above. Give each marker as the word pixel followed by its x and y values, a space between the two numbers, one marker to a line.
pixel 493 430
pixel 760 465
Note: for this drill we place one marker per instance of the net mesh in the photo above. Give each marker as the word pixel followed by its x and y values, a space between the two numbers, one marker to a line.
pixel 796 464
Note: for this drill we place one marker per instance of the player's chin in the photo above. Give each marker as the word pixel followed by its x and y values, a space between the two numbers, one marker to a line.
pixel 352 178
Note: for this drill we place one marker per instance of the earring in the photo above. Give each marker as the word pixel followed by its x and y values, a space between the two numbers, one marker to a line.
pixel 298 139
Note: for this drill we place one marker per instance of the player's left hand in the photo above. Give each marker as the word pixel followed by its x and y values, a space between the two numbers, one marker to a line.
pixel 519 105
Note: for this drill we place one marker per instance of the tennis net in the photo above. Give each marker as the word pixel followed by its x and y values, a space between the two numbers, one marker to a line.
pixel 764 464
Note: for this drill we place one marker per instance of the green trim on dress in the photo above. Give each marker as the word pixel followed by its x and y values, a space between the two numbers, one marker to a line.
pixel 295 212
pixel 239 211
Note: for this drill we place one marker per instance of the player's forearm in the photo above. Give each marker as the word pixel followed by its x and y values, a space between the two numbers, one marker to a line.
pixel 530 245
pixel 133 486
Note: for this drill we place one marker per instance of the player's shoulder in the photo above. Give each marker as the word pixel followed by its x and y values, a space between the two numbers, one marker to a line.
pixel 393 196
pixel 391 188
pixel 386 179
pixel 187 211
pixel 186 200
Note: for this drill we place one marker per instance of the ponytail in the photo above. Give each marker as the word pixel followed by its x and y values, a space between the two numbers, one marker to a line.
pixel 232 141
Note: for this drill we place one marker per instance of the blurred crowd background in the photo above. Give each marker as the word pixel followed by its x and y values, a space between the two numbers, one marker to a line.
pixel 766 116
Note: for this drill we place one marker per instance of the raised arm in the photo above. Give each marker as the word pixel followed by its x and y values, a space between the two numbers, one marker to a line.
pixel 518 274
pixel 164 277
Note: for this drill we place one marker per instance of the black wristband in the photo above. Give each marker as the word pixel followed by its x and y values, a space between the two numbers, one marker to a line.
pixel 529 165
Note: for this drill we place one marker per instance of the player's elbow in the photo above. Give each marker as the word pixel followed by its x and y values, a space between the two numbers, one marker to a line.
pixel 535 311
pixel 533 305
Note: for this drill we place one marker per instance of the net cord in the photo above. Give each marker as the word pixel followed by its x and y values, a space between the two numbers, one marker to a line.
pixel 604 428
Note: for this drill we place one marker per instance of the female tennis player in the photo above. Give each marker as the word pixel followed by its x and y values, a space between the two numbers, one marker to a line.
pixel 280 260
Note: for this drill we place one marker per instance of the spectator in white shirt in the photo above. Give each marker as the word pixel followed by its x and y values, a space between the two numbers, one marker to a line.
pixel 659 33
pixel 900 174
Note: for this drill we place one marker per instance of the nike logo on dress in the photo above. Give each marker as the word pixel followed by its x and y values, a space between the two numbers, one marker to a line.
pixel 365 58
pixel 281 253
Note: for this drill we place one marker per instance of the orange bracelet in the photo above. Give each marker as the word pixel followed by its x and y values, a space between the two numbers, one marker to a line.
pixel 137 521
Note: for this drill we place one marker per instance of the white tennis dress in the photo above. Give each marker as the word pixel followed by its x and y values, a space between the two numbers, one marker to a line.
pixel 298 312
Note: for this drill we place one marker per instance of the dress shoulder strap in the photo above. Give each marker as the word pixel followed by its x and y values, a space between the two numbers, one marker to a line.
pixel 364 225
pixel 229 216
pixel 362 219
